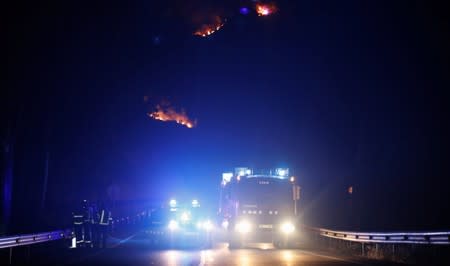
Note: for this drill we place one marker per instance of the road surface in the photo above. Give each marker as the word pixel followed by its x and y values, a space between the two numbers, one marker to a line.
pixel 135 250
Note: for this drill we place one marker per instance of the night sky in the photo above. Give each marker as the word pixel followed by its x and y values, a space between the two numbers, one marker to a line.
pixel 344 93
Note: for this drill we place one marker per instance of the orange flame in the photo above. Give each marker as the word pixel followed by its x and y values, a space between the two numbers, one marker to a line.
pixel 208 29
pixel 170 114
pixel 265 9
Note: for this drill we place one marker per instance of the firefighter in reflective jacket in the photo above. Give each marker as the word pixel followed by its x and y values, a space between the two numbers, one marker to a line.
pixel 103 226
pixel 88 224
pixel 78 222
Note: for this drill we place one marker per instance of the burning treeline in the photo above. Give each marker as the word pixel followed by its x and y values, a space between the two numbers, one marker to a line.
pixel 208 29
pixel 165 112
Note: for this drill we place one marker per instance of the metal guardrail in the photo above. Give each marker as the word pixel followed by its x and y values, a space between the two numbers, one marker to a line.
pixel 29 239
pixel 435 238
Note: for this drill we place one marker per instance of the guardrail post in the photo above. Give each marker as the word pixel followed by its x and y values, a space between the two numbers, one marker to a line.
pixel 10 256
pixel 362 248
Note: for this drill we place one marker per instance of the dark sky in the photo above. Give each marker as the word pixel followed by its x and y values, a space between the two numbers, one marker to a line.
pixel 342 92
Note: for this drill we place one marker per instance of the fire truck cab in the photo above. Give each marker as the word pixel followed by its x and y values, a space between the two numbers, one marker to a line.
pixel 259 207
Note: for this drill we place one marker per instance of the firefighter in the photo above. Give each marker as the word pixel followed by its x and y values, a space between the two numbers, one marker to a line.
pixel 103 224
pixel 88 224
pixel 78 222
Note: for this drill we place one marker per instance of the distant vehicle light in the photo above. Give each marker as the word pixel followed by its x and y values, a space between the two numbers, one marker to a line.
pixel 292 179
pixel 238 178
pixel 173 225
pixel 208 226
pixel 242 171
pixel 225 224
pixel 185 217
pixel 287 228
pixel 227 176
pixel 195 203
pixel 173 203
pixel 243 227
pixel 283 172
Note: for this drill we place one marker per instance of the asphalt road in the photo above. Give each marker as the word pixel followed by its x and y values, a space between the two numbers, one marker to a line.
pixel 135 250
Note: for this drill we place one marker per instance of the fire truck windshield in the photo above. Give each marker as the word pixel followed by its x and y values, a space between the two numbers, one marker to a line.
pixel 264 192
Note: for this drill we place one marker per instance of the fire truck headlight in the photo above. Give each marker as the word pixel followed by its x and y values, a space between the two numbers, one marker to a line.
pixel 243 227
pixel 287 228
pixel 173 225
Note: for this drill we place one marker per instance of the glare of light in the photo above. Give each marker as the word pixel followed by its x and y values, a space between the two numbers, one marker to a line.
pixel 287 228
pixel 225 224
pixel 185 217
pixel 208 226
pixel 238 178
pixel 173 225
pixel 195 203
pixel 243 227
pixel 172 257
pixel 242 171
pixel 226 177
pixel 287 255
pixel 244 260
pixel 206 257
pixel 283 172
pixel 292 179
pixel 173 203
pixel 265 246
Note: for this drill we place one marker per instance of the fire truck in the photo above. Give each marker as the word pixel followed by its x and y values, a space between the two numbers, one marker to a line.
pixel 259 206
pixel 180 225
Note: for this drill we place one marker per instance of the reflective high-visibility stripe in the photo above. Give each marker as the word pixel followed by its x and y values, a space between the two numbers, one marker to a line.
pixel 78 223
pixel 78 216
